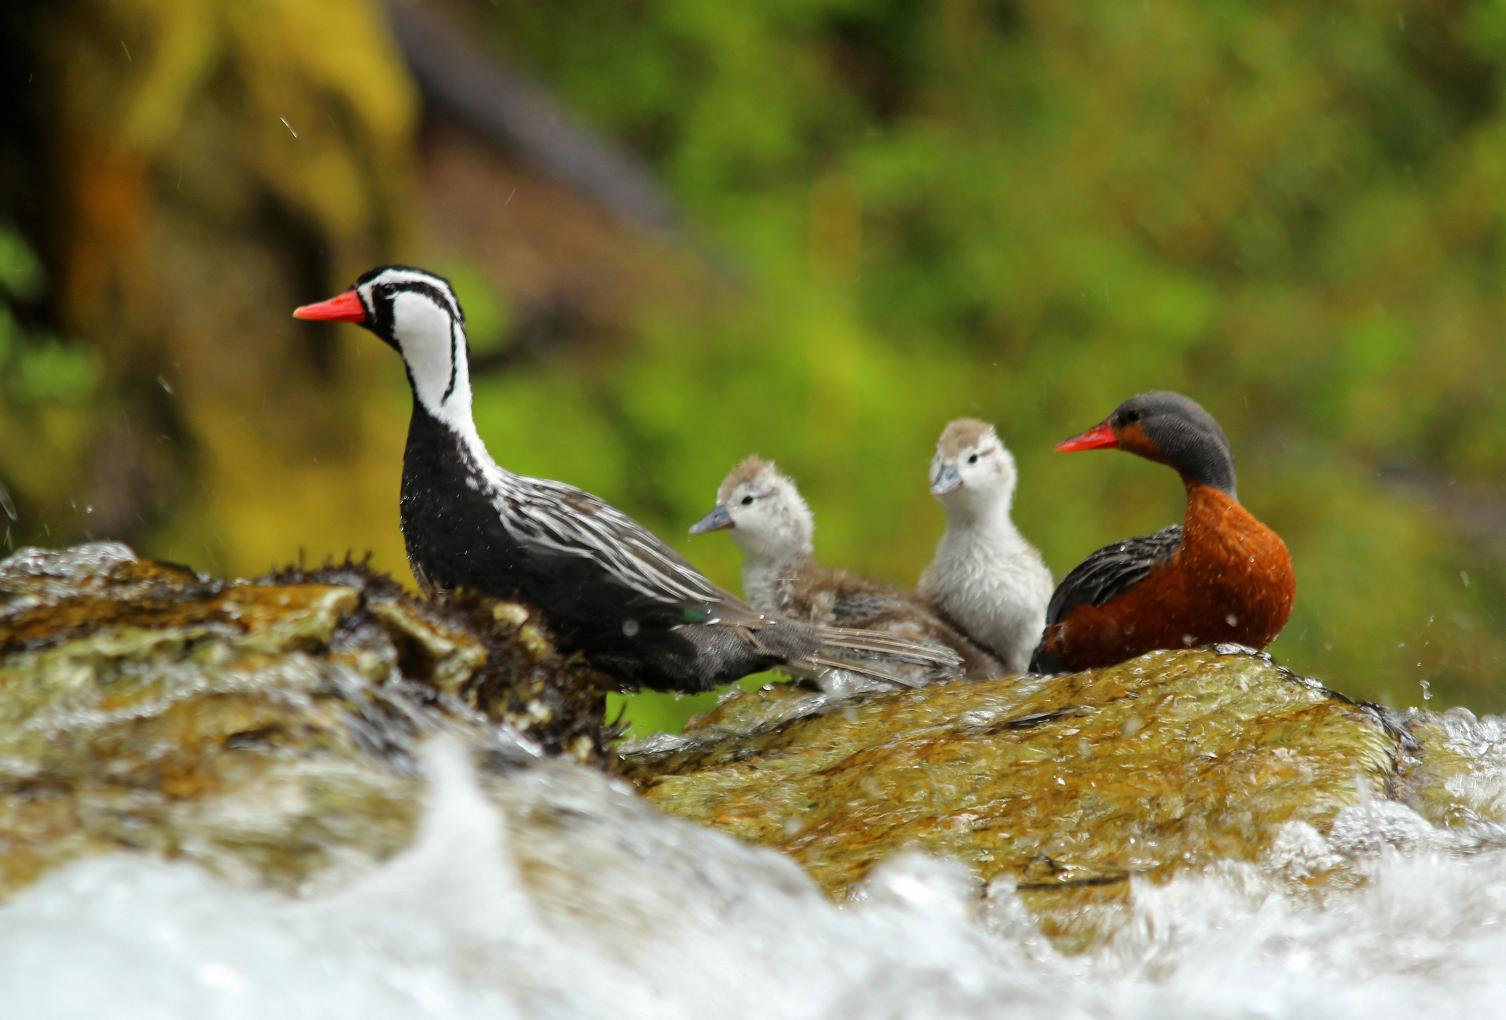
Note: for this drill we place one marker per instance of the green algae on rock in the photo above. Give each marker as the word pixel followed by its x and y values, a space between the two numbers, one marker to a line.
pixel 1068 785
pixel 261 726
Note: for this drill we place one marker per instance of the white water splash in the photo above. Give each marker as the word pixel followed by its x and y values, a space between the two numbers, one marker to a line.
pixel 600 907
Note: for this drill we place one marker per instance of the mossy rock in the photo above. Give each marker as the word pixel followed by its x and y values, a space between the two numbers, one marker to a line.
pixel 1067 786
pixel 263 726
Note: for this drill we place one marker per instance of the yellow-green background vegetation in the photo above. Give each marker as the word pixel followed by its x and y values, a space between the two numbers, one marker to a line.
pixel 891 214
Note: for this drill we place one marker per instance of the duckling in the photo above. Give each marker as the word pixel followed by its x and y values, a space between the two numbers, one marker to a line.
pixel 986 578
pixel 774 528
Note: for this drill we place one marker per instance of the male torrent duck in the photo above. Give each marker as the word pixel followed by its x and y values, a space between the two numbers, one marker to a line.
pixel 1220 576
pixel 986 578
pixel 763 512
pixel 608 586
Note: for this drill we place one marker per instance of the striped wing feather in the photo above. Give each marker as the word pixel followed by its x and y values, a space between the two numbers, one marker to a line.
pixel 574 522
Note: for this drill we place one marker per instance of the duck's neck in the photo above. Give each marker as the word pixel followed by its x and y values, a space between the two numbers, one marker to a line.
pixel 445 400
pixel 1208 509
pixel 990 524
pixel 1201 461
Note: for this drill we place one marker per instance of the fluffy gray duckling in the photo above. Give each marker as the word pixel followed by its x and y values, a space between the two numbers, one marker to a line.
pixel 773 527
pixel 985 579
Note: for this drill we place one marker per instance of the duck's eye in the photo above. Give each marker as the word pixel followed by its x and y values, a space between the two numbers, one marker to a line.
pixel 972 459
pixel 747 501
pixel 1129 417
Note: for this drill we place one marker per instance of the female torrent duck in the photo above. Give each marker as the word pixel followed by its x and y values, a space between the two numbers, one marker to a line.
pixel 609 587
pixel 1219 576
pixel 763 512
pixel 986 578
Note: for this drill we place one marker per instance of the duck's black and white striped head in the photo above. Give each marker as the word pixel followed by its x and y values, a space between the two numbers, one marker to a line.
pixel 416 312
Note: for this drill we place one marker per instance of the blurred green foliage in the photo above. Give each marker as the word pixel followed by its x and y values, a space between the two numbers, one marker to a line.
pixel 181 173
pixel 1028 211
pixel 21 273
pixel 1023 211
pixel 35 366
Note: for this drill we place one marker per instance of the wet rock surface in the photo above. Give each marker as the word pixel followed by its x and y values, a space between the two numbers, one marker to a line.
pixel 268 730
pixel 1068 786
pixel 262 727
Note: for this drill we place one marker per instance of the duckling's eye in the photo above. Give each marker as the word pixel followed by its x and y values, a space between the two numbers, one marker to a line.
pixel 747 501
pixel 973 459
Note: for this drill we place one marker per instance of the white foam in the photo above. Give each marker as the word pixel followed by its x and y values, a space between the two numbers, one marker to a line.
pixel 599 906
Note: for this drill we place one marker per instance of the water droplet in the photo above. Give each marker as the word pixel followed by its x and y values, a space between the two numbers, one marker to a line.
pixel 1427 690
pixel 167 387
pixel 1464 577
pixel 630 628
pixel 289 127
pixel 1232 620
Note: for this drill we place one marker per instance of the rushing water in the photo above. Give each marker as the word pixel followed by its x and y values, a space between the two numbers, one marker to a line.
pixel 626 913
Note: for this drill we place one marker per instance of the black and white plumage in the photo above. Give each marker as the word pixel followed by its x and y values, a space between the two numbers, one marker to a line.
pixel 609 587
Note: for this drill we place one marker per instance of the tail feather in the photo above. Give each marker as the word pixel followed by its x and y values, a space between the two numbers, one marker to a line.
pixel 843 648
pixel 810 650
pixel 900 649
pixel 826 663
